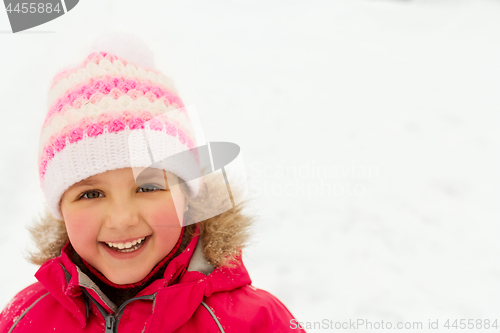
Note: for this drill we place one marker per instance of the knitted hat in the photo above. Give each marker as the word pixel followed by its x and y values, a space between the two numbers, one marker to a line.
pixel 110 113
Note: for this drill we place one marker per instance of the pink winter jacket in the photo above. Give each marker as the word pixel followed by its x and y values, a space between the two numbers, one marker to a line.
pixel 202 299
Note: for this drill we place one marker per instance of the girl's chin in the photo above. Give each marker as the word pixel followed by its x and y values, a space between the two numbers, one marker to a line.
pixel 127 275
pixel 126 267
pixel 130 279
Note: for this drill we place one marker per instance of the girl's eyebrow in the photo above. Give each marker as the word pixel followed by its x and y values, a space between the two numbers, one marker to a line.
pixel 90 182
pixel 150 174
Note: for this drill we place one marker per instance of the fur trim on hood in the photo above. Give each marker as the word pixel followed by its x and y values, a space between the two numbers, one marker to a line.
pixel 224 235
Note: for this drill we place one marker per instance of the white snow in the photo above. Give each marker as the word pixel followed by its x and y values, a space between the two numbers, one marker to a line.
pixel 369 130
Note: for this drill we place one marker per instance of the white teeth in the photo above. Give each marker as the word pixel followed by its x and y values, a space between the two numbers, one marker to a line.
pixel 127 245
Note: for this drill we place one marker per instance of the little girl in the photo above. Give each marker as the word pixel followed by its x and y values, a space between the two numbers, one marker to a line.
pixel 127 244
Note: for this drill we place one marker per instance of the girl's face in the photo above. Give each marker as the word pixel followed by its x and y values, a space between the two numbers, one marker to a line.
pixel 121 227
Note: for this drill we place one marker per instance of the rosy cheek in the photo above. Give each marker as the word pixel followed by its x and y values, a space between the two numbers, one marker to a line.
pixel 164 216
pixel 166 227
pixel 81 229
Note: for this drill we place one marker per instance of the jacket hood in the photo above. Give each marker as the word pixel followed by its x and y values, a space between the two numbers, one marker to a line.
pixel 188 278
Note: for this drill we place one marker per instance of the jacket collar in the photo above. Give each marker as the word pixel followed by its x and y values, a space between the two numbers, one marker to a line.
pixel 188 274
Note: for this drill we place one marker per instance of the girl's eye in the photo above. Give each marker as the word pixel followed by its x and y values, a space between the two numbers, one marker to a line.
pixel 91 195
pixel 150 188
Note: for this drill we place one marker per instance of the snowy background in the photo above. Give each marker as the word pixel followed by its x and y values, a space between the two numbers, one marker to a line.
pixel 369 131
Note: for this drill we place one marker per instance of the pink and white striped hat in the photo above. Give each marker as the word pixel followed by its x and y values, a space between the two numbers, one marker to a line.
pixel 95 109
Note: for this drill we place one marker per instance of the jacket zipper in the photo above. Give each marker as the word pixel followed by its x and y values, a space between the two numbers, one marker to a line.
pixel 112 320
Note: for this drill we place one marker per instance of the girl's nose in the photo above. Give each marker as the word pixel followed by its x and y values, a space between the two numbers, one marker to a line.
pixel 121 216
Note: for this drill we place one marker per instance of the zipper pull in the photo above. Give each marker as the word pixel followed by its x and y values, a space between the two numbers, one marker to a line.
pixel 110 324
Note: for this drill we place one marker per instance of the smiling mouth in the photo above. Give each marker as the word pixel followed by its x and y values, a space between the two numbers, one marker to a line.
pixel 126 247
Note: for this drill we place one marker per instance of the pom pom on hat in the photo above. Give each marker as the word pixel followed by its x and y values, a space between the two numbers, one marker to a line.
pixel 126 46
